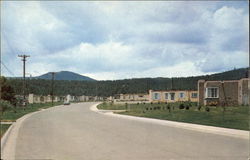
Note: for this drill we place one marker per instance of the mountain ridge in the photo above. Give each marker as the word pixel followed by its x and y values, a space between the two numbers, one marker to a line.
pixel 65 75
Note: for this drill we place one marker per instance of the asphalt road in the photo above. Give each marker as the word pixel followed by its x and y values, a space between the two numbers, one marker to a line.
pixel 75 132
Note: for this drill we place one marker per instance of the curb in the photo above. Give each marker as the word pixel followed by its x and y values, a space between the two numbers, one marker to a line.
pixel 6 135
pixel 195 127
pixel 7 143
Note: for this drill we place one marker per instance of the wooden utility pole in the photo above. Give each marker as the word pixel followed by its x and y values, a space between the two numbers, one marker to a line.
pixel 24 83
pixel 172 83
pixel 52 87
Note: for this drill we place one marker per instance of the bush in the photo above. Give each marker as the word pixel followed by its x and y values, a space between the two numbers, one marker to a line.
pixel 199 107
pixel 169 108
pixel 187 107
pixel 181 106
pixel 4 105
pixel 207 109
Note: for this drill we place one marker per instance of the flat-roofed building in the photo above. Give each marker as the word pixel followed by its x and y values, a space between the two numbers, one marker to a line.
pixel 173 96
pixel 228 92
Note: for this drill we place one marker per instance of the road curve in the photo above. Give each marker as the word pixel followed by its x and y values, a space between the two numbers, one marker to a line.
pixel 75 132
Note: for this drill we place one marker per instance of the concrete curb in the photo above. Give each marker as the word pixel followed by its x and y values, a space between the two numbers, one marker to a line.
pixel 195 127
pixel 8 141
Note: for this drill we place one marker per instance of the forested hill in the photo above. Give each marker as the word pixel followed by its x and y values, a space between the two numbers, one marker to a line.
pixel 65 75
pixel 108 88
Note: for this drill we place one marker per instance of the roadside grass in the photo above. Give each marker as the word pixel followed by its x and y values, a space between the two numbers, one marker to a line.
pixel 111 106
pixel 235 117
pixel 4 128
pixel 14 113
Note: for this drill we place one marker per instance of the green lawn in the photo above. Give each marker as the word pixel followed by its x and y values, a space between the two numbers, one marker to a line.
pixel 234 117
pixel 111 106
pixel 15 113
pixel 3 129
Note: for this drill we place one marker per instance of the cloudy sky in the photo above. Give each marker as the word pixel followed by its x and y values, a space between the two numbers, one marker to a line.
pixel 117 40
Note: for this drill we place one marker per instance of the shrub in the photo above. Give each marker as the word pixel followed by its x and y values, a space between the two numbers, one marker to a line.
pixel 207 109
pixel 199 107
pixel 4 105
pixel 181 106
pixel 187 107
pixel 169 108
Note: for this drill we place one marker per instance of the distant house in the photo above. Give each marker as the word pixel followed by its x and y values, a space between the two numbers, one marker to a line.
pixel 110 98
pixel 229 92
pixel 42 99
pixel 83 98
pixel 173 96
pixel 132 97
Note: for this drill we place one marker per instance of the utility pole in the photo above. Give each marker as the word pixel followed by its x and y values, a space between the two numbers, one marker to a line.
pixel 24 83
pixel 172 83
pixel 52 87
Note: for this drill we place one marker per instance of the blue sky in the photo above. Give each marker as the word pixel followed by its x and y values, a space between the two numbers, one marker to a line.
pixel 117 40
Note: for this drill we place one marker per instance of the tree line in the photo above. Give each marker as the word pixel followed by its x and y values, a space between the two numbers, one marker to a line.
pixel 110 88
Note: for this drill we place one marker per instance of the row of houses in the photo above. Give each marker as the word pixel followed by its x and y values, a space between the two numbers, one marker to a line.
pixel 228 92
pixel 45 99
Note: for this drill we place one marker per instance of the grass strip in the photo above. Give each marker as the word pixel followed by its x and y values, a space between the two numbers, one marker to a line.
pixel 235 117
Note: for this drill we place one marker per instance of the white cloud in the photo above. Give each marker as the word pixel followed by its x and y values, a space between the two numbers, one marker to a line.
pixel 184 69
pixel 127 39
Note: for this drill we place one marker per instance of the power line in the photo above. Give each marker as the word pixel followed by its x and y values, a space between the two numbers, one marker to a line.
pixel 10 47
pixel 8 69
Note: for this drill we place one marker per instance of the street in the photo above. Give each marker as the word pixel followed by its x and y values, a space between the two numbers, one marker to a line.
pixel 75 132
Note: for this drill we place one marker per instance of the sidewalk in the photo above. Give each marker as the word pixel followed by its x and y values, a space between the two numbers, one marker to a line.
pixel 196 127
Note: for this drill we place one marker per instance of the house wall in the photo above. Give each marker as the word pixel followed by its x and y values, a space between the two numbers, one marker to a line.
pixel 231 93
pixel 31 98
pixel 201 91
pixel 243 90
pixel 165 96
pixel 132 97
pixel 193 99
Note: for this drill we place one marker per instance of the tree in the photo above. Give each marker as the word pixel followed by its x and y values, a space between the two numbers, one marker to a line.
pixel 7 92
pixel 4 105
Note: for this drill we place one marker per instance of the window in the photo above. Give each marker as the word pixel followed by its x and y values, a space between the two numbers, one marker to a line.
pixel 156 95
pixel 166 95
pixel 182 95
pixel 194 95
pixel 172 96
pixel 212 92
